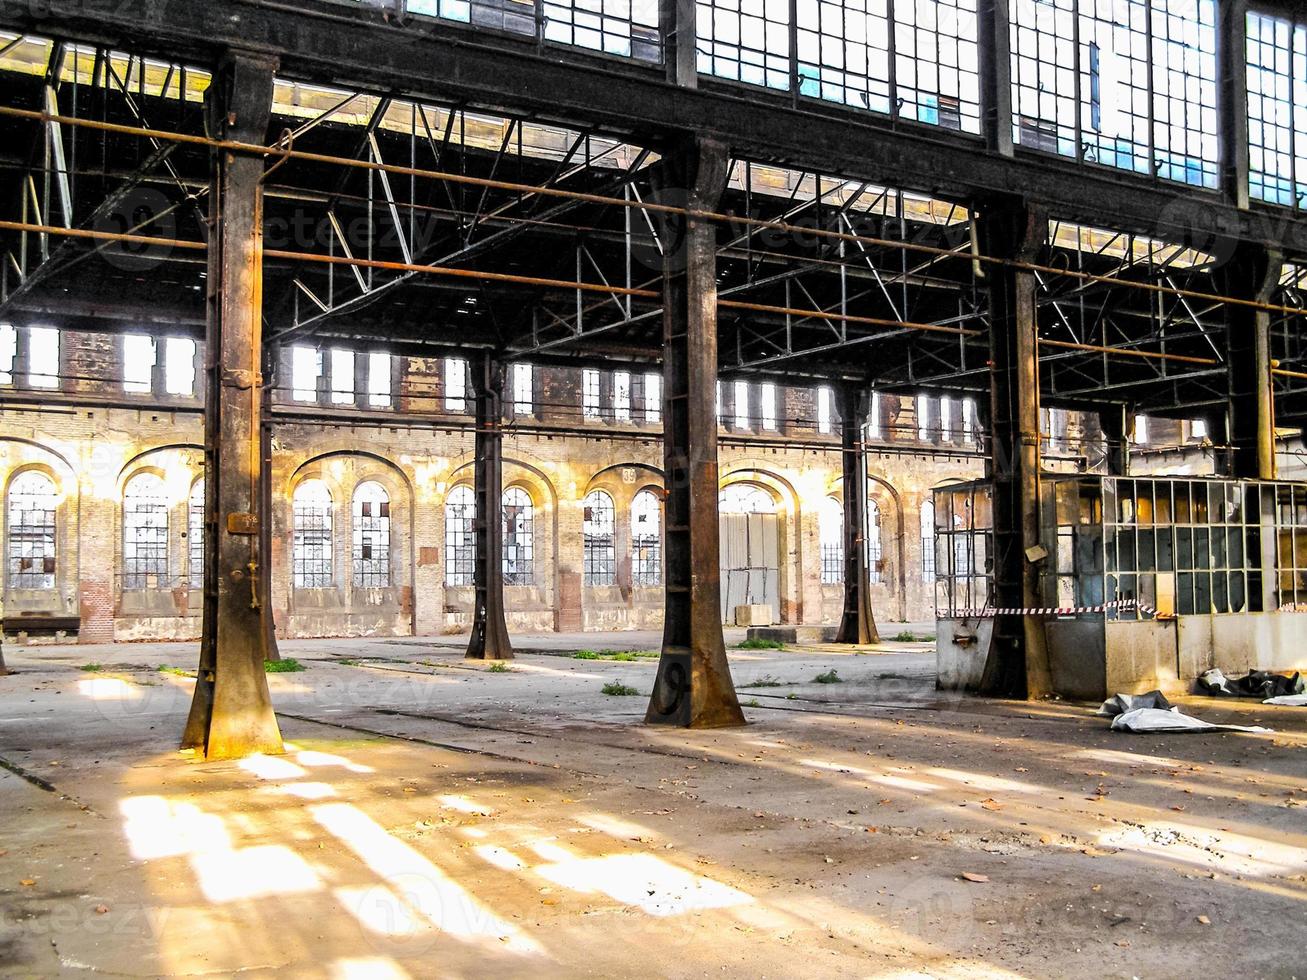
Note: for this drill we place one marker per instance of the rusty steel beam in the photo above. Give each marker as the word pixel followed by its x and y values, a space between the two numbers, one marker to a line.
pixel 1017 665
pixel 694 687
pixel 858 622
pixel 1254 273
pixel 231 715
pixel 490 639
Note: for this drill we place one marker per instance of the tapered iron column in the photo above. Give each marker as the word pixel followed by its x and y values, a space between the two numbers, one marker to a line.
pixel 1116 423
pixel 1018 659
pixel 1251 273
pixel 489 627
pixel 858 623
pixel 694 686
pixel 231 715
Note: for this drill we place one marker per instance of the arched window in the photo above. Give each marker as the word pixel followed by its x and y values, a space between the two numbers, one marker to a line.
pixel 831 522
pixel 33 501
pixel 195 534
pixel 371 536
pixel 646 540
pixel 519 537
pixel 145 533
pixel 745 498
pixel 460 537
pixel 600 555
pixel 313 545
pixel 928 542
pixel 874 552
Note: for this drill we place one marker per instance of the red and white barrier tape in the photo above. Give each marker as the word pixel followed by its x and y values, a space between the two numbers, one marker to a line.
pixel 1143 608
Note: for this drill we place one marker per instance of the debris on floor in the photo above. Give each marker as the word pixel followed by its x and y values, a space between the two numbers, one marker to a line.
pixel 1289 701
pixel 1257 684
pixel 1152 712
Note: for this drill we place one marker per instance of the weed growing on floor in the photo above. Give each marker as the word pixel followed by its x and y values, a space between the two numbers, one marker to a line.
pixel 830 677
pixel 766 680
pixel 752 703
pixel 906 637
pixel 586 655
pixel 617 689
pixel 756 644
pixel 175 671
pixel 500 668
pixel 92 668
pixel 349 663
pixel 621 656
pixel 288 665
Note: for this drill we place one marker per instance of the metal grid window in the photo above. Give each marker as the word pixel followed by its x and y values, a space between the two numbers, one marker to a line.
pixel 928 567
pixel 1044 75
pixel 342 377
pixel 767 407
pixel 305 370
pixel 139 355
pixel 371 514
pixel 1277 110
pixel 42 357
pixel 590 402
pixel 653 398
pixel 523 389
pixel 646 540
pixel 519 537
pixel 746 498
pixel 145 533
pixel 313 542
pixel 179 367
pixel 1114 72
pixel 745 40
pixel 875 553
pixel 830 522
pixel 460 537
pixel 597 530
pixel 824 411
pixel 8 352
pixel 622 27
pixel 964 538
pixel 32 542
pixel 379 369
pixel 195 534
pixel 626 28
pixel 455 384
pixel 843 52
pixel 622 396
pixel 937 63
pixel 1185 126
pixel 1189 546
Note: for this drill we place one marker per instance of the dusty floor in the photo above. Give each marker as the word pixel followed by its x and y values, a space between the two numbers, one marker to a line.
pixel 433 818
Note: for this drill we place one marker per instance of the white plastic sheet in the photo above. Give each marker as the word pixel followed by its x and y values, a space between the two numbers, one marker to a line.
pixel 1158 720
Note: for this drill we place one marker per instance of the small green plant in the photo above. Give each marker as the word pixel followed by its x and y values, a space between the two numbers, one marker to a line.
pixel 287 665
pixel 175 671
pixel 616 689
pixel 752 703
pixel 623 657
pixel 754 643
pixel 349 663
pixel 500 668
pixel 586 655
pixel 830 677
pixel 92 668
pixel 766 680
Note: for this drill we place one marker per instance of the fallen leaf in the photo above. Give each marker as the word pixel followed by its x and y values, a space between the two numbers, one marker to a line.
pixel 101 909
pixel 1096 888
pixel 27 882
pixel 972 876
pixel 1204 920
pixel 991 804
pixel 1178 809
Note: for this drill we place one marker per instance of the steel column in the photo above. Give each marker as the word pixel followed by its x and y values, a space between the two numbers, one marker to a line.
pixel 489 627
pixel 1117 423
pixel 231 715
pixel 1251 273
pixel 694 687
pixel 858 623
pixel 1018 658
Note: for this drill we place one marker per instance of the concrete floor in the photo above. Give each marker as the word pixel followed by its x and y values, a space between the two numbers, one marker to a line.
pixel 432 818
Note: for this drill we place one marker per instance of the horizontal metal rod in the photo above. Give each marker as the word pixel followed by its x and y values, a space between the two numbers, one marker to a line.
pixel 289 153
pixel 1129 352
